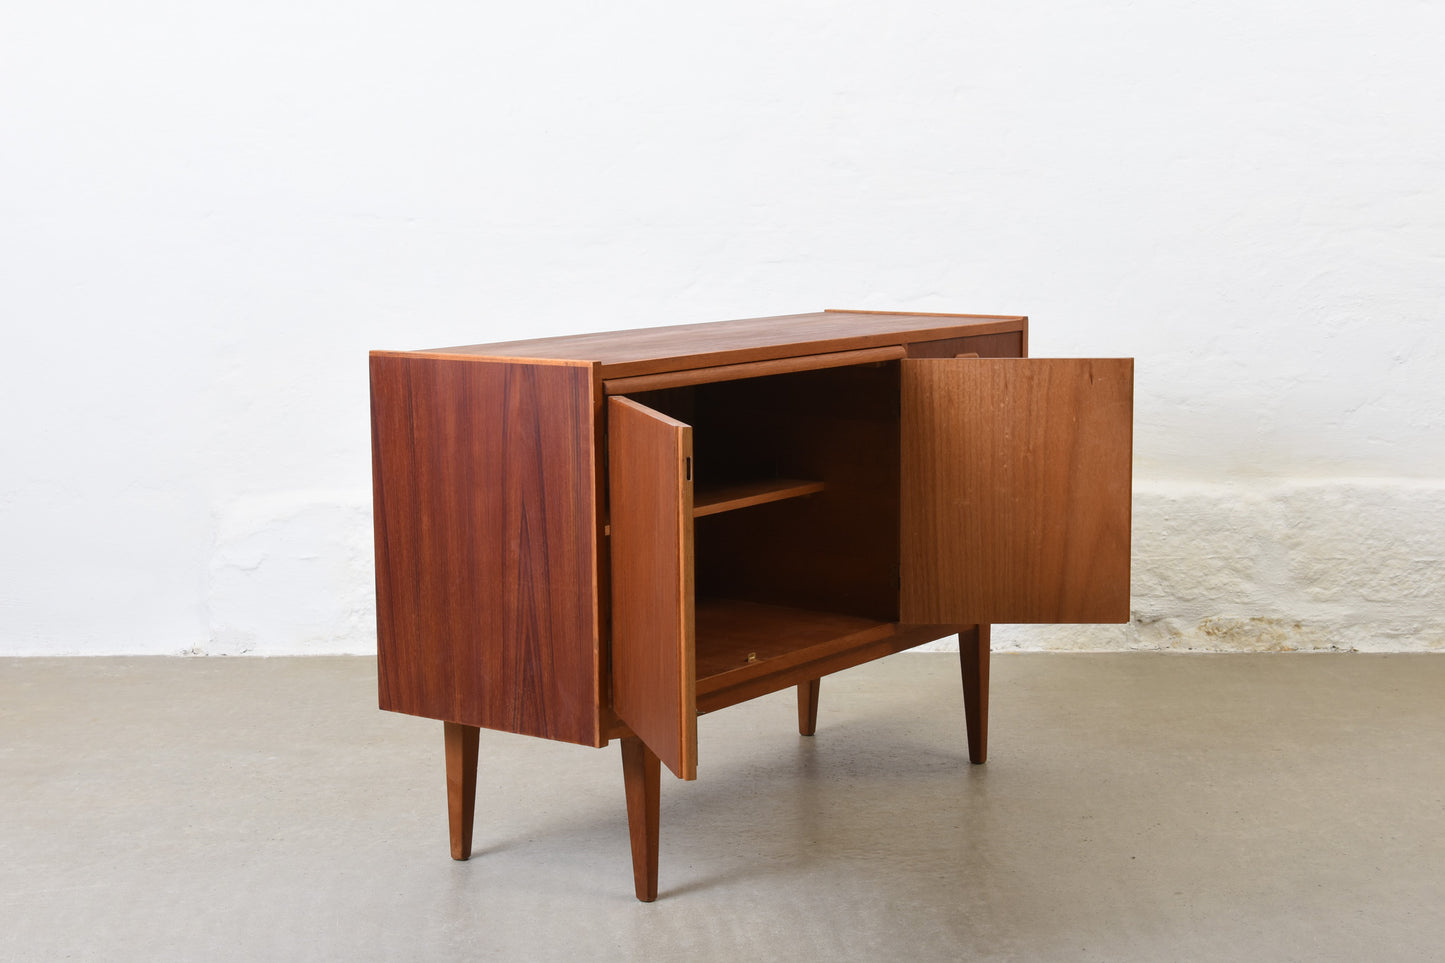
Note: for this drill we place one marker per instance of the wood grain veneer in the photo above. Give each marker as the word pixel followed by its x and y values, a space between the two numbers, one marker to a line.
pixel 747 494
pixel 751 369
pixel 461 761
pixel 729 689
pixel 1008 344
pixel 642 783
pixel 485 524
pixel 653 688
pixel 973 663
pixel 808 707
pixel 686 346
pixel 747 638
pixel 834 551
pixel 1016 490
pixel 773 500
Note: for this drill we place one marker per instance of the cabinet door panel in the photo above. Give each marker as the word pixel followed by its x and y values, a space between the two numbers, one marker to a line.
pixel 1016 490
pixel 654 687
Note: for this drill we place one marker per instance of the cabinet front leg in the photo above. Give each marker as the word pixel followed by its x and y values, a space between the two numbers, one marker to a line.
pixel 973 650
pixel 461 786
pixel 641 776
pixel 808 707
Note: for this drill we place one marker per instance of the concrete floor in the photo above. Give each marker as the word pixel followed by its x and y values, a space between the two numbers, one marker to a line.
pixel 1135 807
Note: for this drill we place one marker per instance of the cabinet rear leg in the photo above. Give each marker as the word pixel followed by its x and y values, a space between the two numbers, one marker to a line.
pixel 461 786
pixel 808 707
pixel 973 651
pixel 641 776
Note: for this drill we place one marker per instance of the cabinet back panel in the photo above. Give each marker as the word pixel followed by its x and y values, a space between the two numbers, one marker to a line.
pixel 486 576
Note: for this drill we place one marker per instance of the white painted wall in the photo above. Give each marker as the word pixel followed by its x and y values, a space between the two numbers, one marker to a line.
pixel 211 211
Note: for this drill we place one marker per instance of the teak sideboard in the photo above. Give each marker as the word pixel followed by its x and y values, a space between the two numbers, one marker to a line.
pixel 602 536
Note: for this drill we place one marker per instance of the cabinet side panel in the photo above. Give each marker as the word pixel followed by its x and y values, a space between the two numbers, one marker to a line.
pixel 654 688
pixel 1016 490
pixel 484 506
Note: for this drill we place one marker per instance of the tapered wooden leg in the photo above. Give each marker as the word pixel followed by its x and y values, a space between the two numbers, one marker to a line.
pixel 808 707
pixel 973 651
pixel 461 786
pixel 642 777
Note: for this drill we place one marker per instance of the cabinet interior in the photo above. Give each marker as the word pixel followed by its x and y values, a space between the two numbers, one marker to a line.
pixel 796 510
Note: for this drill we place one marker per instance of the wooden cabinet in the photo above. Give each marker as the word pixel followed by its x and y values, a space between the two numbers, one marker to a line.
pixel 601 536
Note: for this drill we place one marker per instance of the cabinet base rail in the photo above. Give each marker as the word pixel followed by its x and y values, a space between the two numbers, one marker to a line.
pixel 641 769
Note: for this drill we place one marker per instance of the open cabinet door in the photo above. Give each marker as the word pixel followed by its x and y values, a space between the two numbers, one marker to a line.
pixel 654 682
pixel 1015 490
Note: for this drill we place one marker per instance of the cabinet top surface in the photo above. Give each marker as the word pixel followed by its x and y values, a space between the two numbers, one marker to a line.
pixel 723 342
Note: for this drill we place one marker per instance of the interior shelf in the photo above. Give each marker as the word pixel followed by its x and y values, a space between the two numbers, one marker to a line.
pixel 734 637
pixel 726 498
pixel 711 501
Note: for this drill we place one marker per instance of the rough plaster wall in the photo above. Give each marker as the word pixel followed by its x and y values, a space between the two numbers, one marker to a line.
pixel 211 212
pixel 1290 567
